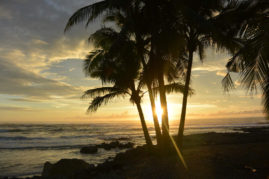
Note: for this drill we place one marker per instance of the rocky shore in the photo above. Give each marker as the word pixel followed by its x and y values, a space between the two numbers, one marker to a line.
pixel 210 155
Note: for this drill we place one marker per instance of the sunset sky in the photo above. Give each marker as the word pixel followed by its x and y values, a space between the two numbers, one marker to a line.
pixel 41 78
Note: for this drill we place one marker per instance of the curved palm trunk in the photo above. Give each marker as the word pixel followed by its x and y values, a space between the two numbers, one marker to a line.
pixel 153 108
pixel 154 114
pixel 165 123
pixel 137 100
pixel 185 99
pixel 160 77
pixel 143 123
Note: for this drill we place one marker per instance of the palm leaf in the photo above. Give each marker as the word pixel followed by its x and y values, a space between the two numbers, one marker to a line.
pixel 99 91
pixel 174 88
pixel 87 13
pixel 227 83
pixel 102 100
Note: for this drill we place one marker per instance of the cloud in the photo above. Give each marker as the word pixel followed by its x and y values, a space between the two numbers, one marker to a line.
pixel 5 14
pixel 20 82
pixel 230 114
pixel 14 108
pixel 34 37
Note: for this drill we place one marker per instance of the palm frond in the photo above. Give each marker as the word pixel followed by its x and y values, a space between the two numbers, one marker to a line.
pixel 93 61
pixel 88 13
pixel 227 83
pixel 266 96
pixel 103 38
pixel 99 91
pixel 102 100
pixel 173 88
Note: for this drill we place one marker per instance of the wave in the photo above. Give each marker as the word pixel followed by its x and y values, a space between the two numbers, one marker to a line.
pixel 54 147
pixel 22 138
pixel 79 136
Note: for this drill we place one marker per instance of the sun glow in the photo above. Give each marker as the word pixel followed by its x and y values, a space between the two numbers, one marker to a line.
pixel 148 111
pixel 159 111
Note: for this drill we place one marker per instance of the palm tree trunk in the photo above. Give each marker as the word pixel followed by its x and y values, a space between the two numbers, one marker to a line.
pixel 165 123
pixel 137 100
pixel 153 107
pixel 185 99
pixel 154 114
pixel 143 123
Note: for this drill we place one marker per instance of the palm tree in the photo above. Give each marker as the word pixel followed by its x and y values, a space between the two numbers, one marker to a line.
pixel 119 68
pixel 251 57
pixel 129 21
pixel 196 26
pixel 158 16
pixel 89 13
pixel 152 31
pixel 110 93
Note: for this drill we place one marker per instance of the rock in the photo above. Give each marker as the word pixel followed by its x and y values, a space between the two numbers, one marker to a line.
pixel 127 145
pixel 89 150
pixel 107 146
pixel 65 168
pixel 115 144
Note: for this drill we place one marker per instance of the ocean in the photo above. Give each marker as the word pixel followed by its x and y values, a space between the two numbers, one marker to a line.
pixel 24 148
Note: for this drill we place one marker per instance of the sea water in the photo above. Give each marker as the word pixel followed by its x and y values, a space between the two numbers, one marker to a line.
pixel 24 148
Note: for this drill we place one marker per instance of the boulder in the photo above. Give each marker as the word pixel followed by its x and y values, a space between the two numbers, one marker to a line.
pixel 89 150
pixel 65 168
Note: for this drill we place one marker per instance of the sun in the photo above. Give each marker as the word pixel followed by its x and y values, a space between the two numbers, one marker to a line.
pixel 159 111
pixel 148 111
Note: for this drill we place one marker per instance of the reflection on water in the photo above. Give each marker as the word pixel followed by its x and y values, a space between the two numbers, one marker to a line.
pixel 25 148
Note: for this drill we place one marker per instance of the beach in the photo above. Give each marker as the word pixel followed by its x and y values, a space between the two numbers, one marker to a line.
pixel 231 149
pixel 210 155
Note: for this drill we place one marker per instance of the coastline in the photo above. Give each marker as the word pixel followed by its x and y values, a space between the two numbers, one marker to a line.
pixel 208 155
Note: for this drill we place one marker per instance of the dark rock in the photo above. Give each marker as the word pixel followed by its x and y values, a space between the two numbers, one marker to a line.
pixel 65 168
pixel 89 150
pixel 115 144
pixel 127 145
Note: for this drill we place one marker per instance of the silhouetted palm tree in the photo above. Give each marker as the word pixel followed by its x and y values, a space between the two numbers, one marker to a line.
pixel 130 25
pixel 251 57
pixel 112 8
pixel 119 67
pixel 135 12
pixel 196 25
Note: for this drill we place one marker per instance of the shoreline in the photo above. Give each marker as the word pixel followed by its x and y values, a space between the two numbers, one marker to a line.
pixel 217 155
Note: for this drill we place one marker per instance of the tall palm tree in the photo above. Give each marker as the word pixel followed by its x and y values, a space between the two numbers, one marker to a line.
pixel 131 7
pixel 196 26
pixel 114 9
pixel 129 21
pixel 117 67
pixel 157 17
